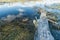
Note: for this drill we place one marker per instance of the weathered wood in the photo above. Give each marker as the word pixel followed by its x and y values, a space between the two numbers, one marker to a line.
pixel 43 28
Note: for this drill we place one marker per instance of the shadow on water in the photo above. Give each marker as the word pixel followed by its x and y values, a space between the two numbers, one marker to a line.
pixel 55 33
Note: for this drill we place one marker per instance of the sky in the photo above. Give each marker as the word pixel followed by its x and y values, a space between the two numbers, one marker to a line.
pixel 32 3
pixel 50 1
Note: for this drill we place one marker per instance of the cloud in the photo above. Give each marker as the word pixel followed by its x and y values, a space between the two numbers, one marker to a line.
pixel 9 18
pixel 21 10
pixel 19 15
pixel 50 1
pixel 12 17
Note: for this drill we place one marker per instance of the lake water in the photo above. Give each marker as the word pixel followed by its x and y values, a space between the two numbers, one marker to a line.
pixel 29 12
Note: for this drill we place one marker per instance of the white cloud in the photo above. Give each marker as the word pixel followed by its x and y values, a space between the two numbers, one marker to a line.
pixel 50 1
pixel 19 15
pixel 21 10
pixel 9 18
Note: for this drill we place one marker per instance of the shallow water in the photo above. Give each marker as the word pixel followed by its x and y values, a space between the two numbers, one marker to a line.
pixel 29 12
